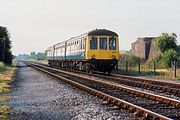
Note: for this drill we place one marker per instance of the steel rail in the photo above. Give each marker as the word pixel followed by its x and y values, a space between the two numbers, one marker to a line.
pixel 121 103
pixel 148 80
pixel 152 96
pixel 140 83
pixel 145 83
pixel 133 78
pixel 118 77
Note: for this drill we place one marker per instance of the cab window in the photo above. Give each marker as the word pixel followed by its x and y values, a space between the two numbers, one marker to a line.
pixel 112 43
pixel 93 43
pixel 103 43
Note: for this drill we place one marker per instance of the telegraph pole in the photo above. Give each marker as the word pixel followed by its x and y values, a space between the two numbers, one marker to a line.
pixel 4 45
pixel 3 48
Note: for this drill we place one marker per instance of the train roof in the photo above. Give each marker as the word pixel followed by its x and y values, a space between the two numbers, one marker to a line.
pixel 102 32
pixel 96 32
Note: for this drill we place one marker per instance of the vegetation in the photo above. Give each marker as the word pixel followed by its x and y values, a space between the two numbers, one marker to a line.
pixel 38 56
pixel 168 52
pixel 166 41
pixel 169 57
pixel 6 75
pixel 178 50
pixel 131 58
pixel 3 67
pixel 7 54
pixel 168 48
pixel 33 56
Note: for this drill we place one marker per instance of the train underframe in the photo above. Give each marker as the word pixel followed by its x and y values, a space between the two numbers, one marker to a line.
pixel 86 65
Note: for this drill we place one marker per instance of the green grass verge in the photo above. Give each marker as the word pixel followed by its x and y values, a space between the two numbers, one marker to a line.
pixel 6 76
pixel 4 110
pixel 160 75
pixel 3 68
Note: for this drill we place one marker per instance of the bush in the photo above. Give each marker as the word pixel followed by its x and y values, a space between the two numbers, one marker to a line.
pixel 169 57
pixel 166 41
pixel 131 58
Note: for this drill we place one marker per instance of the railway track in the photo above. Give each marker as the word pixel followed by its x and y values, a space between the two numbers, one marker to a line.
pixel 168 89
pixel 147 105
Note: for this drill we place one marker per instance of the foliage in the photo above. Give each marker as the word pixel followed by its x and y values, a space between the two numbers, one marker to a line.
pixel 32 56
pixel 169 50
pixel 166 41
pixel 38 56
pixel 178 50
pixel 3 68
pixel 159 62
pixel 22 57
pixel 8 54
pixel 168 57
pixel 131 58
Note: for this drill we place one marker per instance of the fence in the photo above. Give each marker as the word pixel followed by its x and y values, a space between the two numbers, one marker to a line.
pixel 142 68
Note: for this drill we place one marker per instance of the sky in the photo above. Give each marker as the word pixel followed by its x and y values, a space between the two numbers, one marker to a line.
pixel 34 25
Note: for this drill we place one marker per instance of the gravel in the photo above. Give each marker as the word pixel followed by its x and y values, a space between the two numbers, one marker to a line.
pixel 164 109
pixel 160 79
pixel 36 96
pixel 158 92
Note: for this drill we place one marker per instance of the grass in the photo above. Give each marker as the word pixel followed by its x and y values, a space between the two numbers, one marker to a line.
pixel 146 71
pixel 6 76
pixel 3 68
pixel 39 61
pixel 158 74
pixel 4 110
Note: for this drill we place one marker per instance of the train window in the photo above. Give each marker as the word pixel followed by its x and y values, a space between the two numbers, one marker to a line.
pixel 112 43
pixel 84 43
pixel 93 43
pixel 103 43
pixel 81 45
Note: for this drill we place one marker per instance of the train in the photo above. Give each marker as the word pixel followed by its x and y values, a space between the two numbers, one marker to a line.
pixel 96 50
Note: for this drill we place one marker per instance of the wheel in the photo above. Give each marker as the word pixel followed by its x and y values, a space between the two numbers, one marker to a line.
pixel 109 72
pixel 90 71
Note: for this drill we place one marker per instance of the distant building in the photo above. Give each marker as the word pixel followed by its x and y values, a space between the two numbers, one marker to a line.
pixel 144 48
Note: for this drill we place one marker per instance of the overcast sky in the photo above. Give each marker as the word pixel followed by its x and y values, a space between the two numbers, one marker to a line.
pixel 35 25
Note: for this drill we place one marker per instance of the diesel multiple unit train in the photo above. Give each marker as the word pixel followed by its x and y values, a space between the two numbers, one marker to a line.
pixel 97 50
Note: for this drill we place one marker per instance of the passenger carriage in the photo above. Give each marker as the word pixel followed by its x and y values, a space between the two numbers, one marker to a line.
pixel 97 50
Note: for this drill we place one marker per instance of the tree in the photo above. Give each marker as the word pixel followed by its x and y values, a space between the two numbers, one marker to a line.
pixel 41 56
pixel 178 50
pixel 22 57
pixel 169 57
pixel 131 58
pixel 166 41
pixel 32 53
pixel 38 56
pixel 7 54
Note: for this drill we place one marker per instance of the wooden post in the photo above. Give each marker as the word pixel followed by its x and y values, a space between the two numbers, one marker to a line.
pixel 126 66
pixel 154 67
pixel 119 63
pixel 174 69
pixel 117 66
pixel 65 50
pixel 139 67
